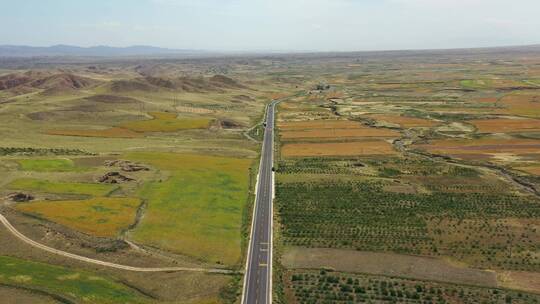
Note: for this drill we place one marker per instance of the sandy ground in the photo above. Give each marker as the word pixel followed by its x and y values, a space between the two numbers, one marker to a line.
pixel 10 295
pixel 388 264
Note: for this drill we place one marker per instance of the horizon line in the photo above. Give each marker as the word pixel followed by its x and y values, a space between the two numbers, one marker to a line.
pixel 275 51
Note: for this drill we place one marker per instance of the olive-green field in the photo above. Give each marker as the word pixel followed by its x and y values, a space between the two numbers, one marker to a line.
pixel 198 210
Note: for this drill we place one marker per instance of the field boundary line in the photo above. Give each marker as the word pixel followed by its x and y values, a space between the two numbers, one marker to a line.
pixel 33 243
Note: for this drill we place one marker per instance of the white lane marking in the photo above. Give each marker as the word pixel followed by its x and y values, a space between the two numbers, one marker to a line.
pixel 247 276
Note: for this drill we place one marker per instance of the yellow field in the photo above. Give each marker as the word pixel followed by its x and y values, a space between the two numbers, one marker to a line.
pixel 530 169
pixel 104 217
pixel 166 122
pixel 369 147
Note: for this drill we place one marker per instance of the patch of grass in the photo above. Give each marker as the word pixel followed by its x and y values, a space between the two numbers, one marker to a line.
pixel 31 184
pixel 48 165
pixel 102 216
pixel 166 122
pixel 475 84
pixel 198 210
pixel 78 286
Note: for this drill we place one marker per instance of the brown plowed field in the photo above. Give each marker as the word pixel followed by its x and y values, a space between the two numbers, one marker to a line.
pixel 524 105
pixel 369 147
pixel 504 125
pixel 320 124
pixel 482 148
pixel 337 133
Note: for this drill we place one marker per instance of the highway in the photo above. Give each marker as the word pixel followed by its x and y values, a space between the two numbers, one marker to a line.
pixel 258 275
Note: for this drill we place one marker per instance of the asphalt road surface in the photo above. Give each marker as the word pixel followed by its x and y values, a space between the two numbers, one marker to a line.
pixel 258 276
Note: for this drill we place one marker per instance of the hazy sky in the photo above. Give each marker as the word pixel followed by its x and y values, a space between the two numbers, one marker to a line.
pixel 246 25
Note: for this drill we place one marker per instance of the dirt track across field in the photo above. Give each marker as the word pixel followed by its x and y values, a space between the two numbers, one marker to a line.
pixel 25 239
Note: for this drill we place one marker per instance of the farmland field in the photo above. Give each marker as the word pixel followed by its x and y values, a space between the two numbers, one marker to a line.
pixel 47 165
pixel 142 165
pixel 506 125
pixel 198 210
pixel 109 132
pixel 366 217
pixel 338 287
pixel 319 124
pixel 405 183
pixel 401 177
pixel 366 147
pixel 102 216
pixel 89 189
pixel 69 284
pixel 484 148
pixel 337 133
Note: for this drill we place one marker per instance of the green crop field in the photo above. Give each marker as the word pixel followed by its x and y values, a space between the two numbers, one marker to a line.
pixel 44 186
pixel 71 284
pixel 48 165
pixel 198 210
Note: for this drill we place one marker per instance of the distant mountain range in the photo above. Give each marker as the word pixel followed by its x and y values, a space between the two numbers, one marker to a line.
pixel 22 51
pixel 95 51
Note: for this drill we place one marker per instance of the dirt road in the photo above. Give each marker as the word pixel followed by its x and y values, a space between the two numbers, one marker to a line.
pixel 25 239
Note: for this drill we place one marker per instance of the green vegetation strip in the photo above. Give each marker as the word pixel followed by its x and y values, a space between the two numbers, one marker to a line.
pixel 48 165
pixel 80 286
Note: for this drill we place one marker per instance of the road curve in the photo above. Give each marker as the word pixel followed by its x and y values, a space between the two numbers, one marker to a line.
pixel 25 239
pixel 258 276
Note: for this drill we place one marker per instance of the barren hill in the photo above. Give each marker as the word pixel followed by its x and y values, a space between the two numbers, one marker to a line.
pixel 49 82
pixel 187 84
